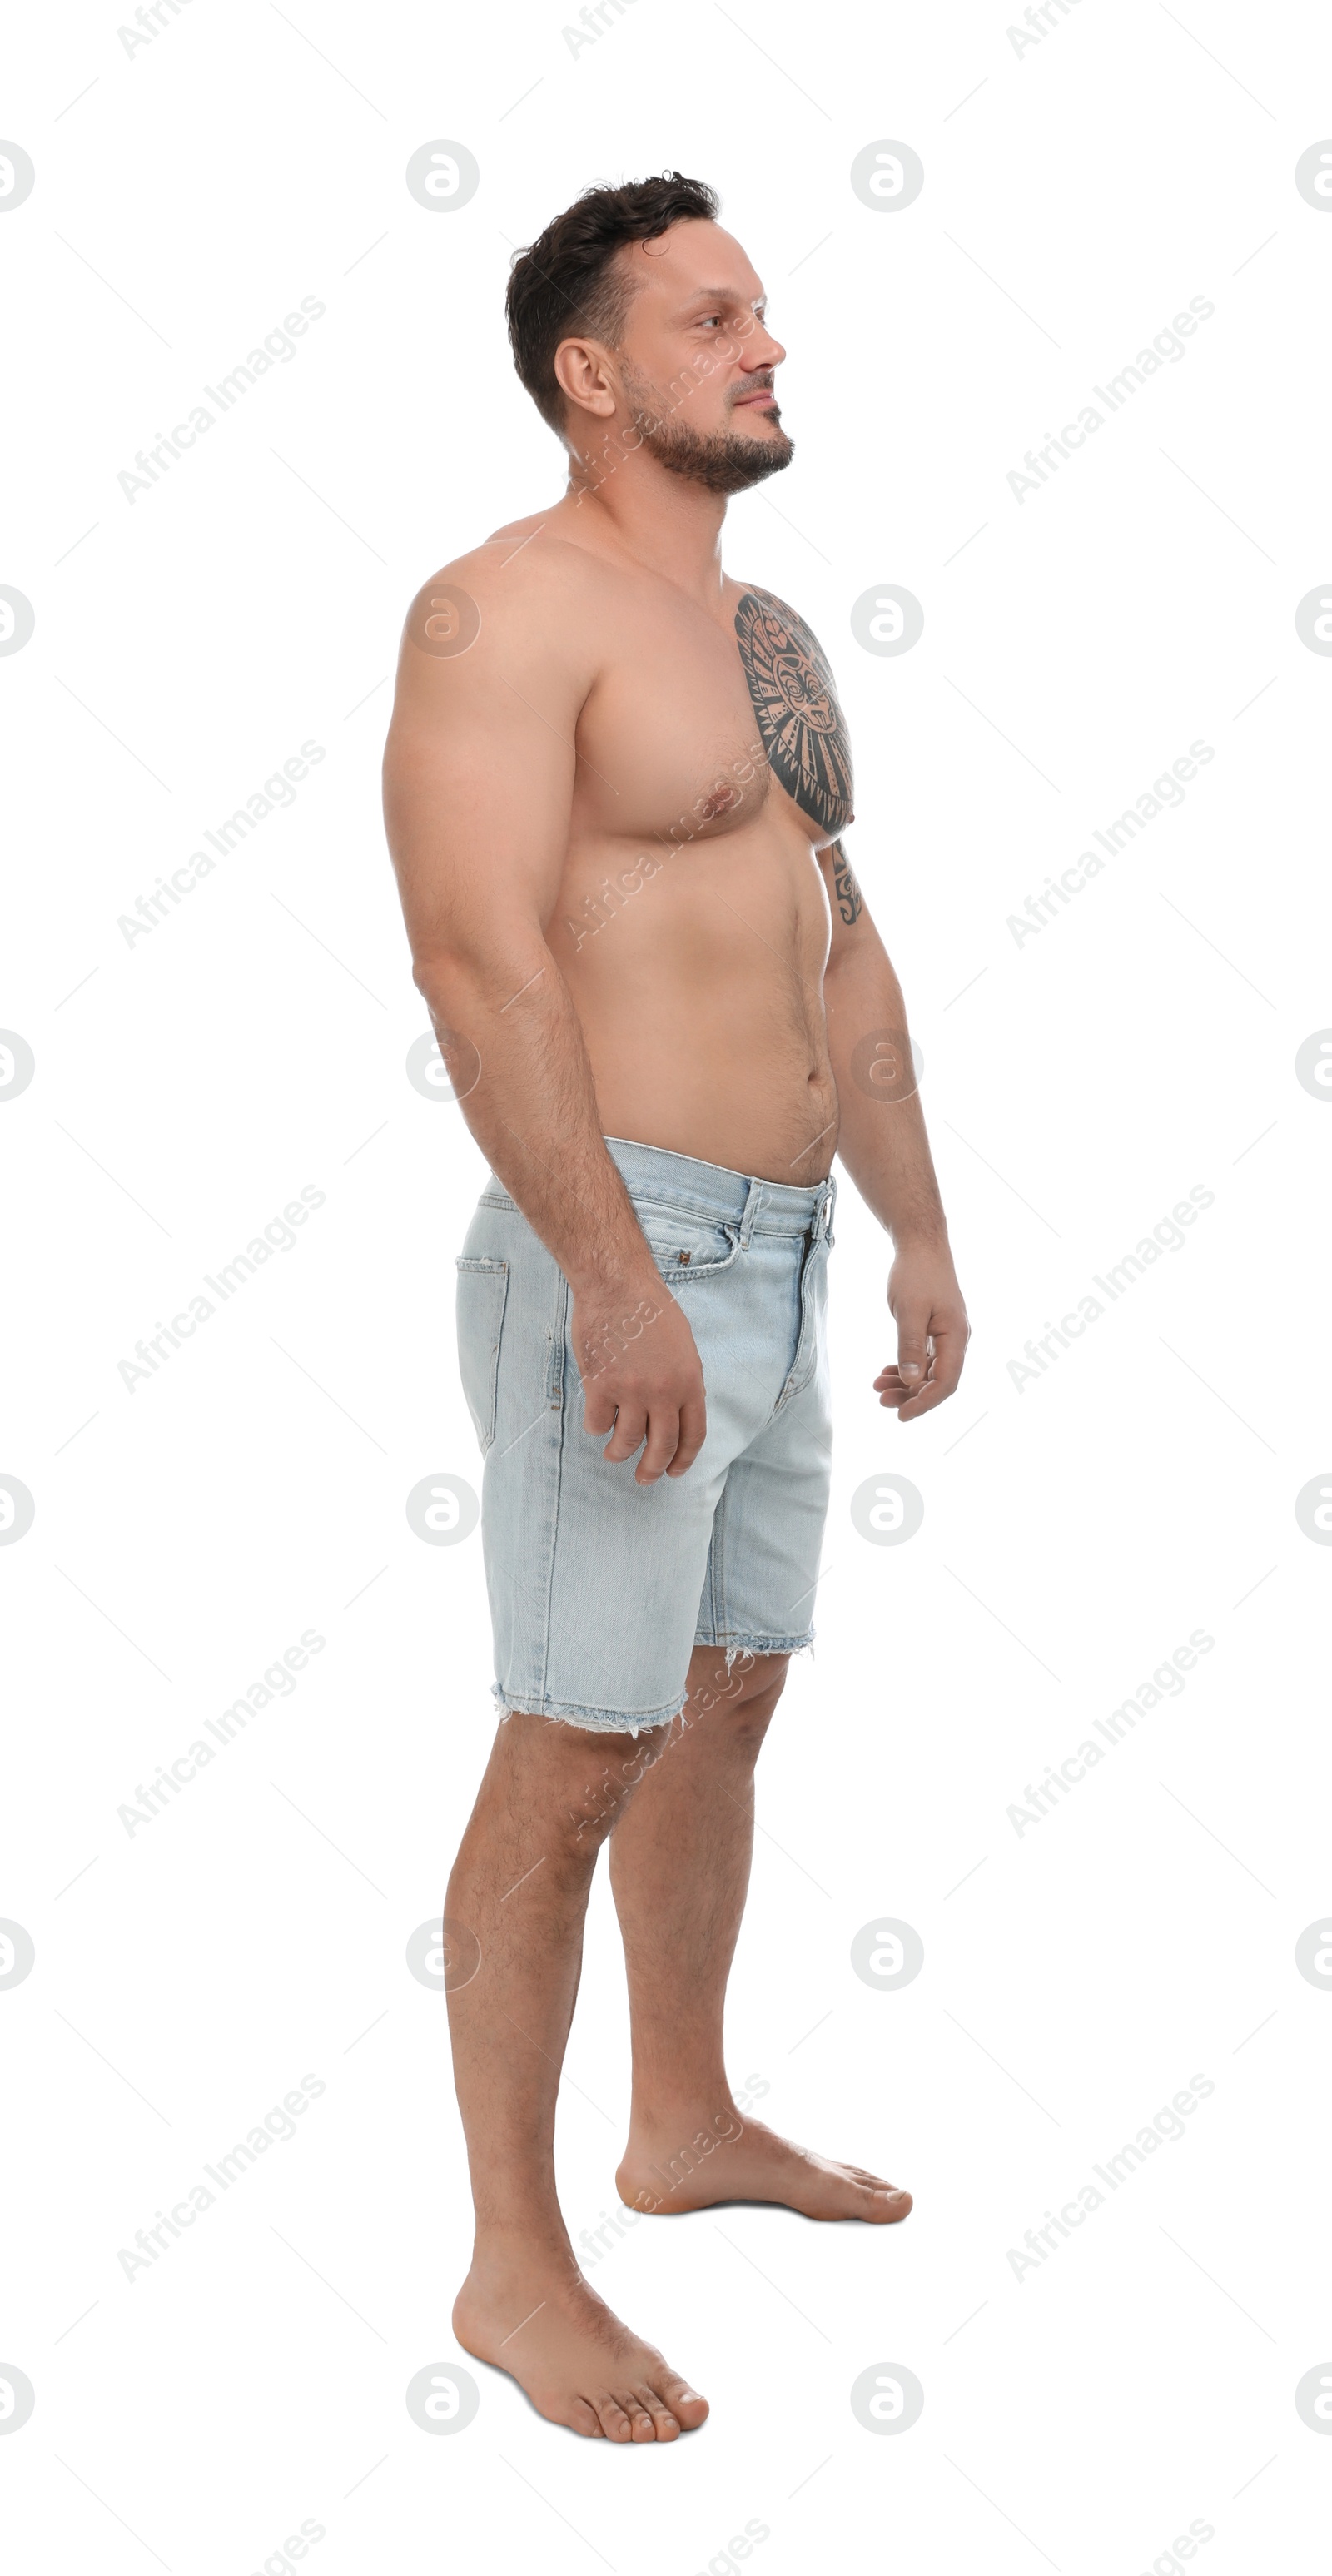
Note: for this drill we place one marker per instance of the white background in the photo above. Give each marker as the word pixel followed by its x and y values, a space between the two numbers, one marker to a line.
pixel 1077 195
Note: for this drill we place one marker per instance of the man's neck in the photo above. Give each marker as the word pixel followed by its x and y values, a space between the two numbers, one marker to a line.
pixel 669 524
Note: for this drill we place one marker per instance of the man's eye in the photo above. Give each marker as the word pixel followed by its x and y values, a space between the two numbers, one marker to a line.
pixel 708 319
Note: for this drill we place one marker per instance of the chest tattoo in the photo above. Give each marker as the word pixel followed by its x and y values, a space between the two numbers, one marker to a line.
pixel 802 726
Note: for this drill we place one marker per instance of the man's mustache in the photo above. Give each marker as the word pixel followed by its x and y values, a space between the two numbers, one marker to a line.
pixel 752 385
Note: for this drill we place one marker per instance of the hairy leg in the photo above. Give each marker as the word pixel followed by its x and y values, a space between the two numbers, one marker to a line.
pixel 679 1864
pixel 514 1916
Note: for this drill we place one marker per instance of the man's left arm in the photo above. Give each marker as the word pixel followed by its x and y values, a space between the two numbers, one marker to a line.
pixel 883 1144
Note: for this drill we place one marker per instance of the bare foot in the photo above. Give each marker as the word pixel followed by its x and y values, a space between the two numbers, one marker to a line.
pixel 534 2315
pixel 667 2169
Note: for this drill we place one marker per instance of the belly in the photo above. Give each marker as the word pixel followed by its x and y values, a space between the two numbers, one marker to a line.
pixel 697 976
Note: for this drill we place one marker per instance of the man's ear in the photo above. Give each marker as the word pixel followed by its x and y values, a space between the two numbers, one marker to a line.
pixel 584 374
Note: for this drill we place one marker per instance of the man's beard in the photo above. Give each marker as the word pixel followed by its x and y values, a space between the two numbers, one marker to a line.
pixel 723 461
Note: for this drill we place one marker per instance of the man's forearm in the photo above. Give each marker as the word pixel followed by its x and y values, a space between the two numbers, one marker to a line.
pixel 881 1137
pixel 515 1053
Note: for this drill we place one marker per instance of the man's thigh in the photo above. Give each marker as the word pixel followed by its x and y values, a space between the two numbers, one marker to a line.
pixel 763 1561
pixel 594 1579
pixel 597 1583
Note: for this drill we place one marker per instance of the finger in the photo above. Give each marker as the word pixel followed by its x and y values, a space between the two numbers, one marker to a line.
pixel 950 1350
pixel 598 1392
pixel 923 1402
pixel 662 1439
pixel 936 1390
pixel 947 1351
pixel 693 1433
pixel 628 1435
pixel 891 1388
pixel 913 1329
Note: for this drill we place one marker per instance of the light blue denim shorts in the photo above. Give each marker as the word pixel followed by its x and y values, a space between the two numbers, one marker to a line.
pixel 599 1587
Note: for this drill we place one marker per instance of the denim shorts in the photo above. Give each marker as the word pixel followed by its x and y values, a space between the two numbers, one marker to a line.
pixel 600 1587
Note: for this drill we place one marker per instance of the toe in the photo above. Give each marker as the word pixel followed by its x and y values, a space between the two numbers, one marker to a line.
pixel 615 2423
pixel 688 2408
pixel 663 2422
pixel 584 2419
pixel 641 2426
pixel 879 2185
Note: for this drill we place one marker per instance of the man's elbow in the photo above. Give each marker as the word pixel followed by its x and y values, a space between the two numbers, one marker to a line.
pixel 459 983
pixel 428 971
pixel 442 979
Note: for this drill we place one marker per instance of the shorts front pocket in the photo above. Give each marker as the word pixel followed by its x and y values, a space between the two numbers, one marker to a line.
pixel 483 1287
pixel 685 1246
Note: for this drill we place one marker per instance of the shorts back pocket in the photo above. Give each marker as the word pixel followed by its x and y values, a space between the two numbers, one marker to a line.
pixel 483 1287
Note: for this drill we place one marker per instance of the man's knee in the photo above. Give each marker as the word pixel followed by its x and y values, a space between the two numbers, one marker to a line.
pixel 764 1682
pixel 762 1677
pixel 588 1774
pixel 745 1693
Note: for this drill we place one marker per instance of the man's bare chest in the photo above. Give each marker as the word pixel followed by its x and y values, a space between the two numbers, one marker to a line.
pixel 693 725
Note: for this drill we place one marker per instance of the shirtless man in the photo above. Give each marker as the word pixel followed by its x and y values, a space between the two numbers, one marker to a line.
pixel 615 786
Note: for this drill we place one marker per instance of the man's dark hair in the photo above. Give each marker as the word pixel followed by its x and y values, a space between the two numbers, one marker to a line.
pixel 566 284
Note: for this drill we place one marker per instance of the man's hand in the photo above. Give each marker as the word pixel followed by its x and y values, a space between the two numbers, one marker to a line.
pixel 642 1376
pixel 932 1331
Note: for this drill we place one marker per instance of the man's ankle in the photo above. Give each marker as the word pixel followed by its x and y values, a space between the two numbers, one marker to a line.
pixel 685 2110
pixel 518 2240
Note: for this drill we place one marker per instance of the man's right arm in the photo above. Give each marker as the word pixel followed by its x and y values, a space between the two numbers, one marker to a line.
pixel 478 787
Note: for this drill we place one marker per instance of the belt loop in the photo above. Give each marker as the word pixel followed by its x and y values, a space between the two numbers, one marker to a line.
pixel 750 1218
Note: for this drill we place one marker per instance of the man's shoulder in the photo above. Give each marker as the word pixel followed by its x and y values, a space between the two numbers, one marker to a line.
pixel 532 594
pixel 526 558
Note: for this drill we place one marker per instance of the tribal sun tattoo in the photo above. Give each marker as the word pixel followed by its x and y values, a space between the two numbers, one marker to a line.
pixel 803 728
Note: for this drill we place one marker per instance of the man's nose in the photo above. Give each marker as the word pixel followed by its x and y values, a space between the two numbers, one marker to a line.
pixel 762 351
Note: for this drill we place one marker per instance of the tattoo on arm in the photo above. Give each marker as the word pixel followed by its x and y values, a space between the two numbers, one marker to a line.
pixel 802 726
pixel 850 901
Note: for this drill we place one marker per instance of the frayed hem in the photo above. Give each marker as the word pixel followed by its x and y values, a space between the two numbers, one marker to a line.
pixel 597 1721
pixel 754 1646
